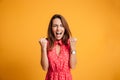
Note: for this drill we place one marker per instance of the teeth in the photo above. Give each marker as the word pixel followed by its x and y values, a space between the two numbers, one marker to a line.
pixel 58 33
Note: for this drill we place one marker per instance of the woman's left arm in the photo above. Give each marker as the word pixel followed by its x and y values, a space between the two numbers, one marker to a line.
pixel 73 59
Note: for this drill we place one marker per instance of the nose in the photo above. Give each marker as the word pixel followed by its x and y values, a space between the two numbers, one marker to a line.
pixel 58 27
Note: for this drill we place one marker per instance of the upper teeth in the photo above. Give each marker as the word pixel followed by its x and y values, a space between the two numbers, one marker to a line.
pixel 58 32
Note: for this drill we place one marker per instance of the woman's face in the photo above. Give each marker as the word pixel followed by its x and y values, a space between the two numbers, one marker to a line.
pixel 58 29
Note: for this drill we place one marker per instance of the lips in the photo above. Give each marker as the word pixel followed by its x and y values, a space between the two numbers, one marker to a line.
pixel 58 33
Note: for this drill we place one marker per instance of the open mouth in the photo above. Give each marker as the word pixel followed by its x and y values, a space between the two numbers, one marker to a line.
pixel 58 33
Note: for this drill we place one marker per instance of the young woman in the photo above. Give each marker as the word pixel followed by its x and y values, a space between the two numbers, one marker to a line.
pixel 58 50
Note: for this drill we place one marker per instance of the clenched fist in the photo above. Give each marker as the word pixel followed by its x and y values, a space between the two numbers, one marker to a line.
pixel 43 43
pixel 73 43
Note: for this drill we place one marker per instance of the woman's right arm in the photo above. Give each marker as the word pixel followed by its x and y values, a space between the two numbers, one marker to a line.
pixel 44 57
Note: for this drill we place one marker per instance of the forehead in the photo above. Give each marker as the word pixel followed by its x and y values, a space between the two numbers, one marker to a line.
pixel 57 21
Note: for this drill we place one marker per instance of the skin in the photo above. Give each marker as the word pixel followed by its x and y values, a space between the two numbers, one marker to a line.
pixel 58 31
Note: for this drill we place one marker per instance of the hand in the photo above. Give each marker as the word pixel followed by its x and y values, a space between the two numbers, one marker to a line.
pixel 73 43
pixel 43 43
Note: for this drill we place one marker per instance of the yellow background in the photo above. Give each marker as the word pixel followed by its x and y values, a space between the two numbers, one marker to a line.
pixel 95 23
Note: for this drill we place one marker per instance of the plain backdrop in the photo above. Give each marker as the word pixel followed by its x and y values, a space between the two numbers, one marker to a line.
pixel 95 24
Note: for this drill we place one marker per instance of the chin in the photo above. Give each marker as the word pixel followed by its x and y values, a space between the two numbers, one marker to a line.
pixel 58 38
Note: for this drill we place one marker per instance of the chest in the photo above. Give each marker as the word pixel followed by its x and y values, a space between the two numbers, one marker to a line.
pixel 59 52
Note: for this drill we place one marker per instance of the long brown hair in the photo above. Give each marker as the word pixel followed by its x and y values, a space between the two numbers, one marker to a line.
pixel 50 35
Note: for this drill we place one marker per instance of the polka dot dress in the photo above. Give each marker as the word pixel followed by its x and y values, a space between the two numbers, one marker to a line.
pixel 59 68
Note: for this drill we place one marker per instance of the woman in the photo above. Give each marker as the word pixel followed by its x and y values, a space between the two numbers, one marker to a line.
pixel 58 50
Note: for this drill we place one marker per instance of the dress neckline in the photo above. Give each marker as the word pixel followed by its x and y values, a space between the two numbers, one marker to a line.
pixel 59 42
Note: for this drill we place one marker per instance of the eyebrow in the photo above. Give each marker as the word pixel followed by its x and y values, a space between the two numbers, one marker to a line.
pixel 57 24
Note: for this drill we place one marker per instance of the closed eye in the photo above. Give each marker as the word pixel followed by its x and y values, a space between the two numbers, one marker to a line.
pixel 61 25
pixel 55 25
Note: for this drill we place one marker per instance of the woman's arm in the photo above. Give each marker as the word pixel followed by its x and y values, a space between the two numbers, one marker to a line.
pixel 73 60
pixel 44 58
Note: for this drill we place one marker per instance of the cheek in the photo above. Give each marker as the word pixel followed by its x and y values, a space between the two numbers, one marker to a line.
pixel 63 30
pixel 53 30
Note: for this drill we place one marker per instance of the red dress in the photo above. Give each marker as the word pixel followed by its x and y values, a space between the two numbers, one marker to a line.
pixel 59 65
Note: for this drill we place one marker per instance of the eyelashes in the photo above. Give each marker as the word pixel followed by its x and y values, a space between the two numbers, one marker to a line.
pixel 56 25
